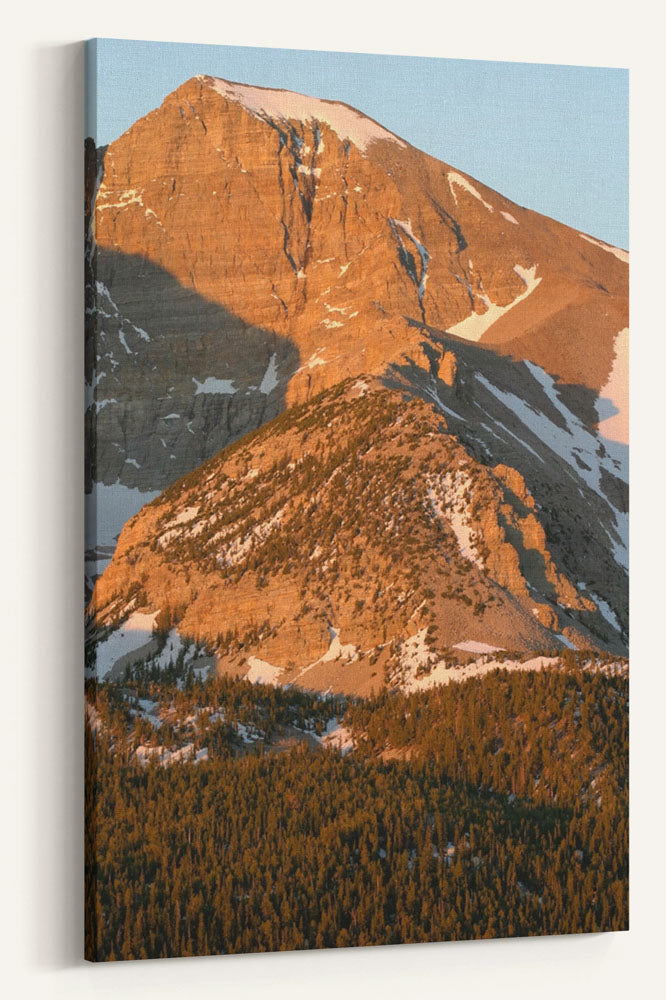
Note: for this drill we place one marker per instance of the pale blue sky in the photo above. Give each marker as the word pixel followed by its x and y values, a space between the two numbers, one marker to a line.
pixel 551 138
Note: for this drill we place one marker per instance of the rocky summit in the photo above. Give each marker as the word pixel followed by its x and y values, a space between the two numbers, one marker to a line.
pixel 384 407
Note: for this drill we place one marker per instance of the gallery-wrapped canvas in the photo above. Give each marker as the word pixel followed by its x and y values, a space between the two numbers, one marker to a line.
pixel 356 364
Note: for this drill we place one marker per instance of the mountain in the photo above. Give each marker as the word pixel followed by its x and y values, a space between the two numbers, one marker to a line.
pixel 350 541
pixel 250 247
pixel 385 406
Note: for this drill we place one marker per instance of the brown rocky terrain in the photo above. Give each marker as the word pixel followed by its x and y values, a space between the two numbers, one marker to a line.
pixel 315 549
pixel 421 378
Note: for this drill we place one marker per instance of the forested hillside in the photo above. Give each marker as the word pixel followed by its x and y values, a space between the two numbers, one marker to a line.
pixel 509 816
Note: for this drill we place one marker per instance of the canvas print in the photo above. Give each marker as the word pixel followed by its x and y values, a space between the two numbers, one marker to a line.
pixel 356 364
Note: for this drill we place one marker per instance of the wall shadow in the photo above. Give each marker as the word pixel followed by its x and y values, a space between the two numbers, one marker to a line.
pixel 50 755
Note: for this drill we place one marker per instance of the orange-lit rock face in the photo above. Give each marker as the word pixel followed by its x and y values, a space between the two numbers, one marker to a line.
pixel 336 533
pixel 328 242
pixel 298 229
pixel 252 251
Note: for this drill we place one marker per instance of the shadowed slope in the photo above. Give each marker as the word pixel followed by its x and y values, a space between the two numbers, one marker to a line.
pixel 318 547
pixel 176 377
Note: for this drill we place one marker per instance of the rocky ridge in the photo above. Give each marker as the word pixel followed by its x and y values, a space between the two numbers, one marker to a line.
pixel 425 383
pixel 340 541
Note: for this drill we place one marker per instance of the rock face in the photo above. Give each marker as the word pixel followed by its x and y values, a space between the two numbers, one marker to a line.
pixel 421 378
pixel 251 247
pixel 322 544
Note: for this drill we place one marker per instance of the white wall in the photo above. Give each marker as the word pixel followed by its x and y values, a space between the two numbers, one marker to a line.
pixel 40 327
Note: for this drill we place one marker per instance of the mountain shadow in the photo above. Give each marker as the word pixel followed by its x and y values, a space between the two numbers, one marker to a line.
pixel 171 376
pixel 506 412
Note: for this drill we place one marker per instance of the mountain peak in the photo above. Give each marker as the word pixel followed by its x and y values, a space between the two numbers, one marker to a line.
pixel 322 254
pixel 287 105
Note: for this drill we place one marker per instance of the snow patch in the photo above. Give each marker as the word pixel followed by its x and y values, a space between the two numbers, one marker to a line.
pixel 309 171
pixel 509 218
pixel 131 196
pixel 187 514
pixel 406 227
pixel 613 402
pixel 515 437
pixel 121 338
pixel 442 406
pixel 149 212
pixel 212 385
pixel 314 360
pixel 441 674
pixel 144 754
pixel 270 380
pixel 607 612
pixel 336 737
pixel 286 105
pixel 471 646
pixel 261 672
pixel 240 547
pixel 447 495
pixel 415 653
pixel 172 648
pixel 622 255
pixel 474 326
pixel 135 633
pixel 246 734
pixel 462 182
pixel 338 651
pixel 571 442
